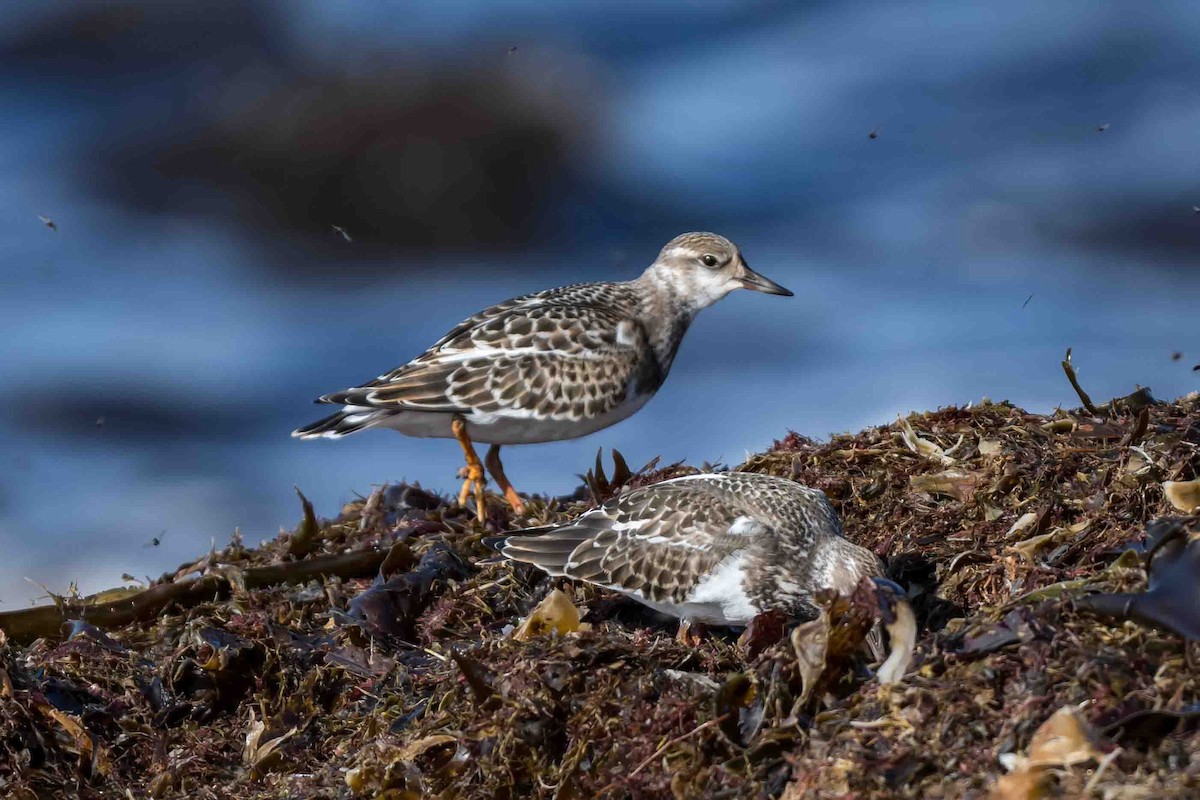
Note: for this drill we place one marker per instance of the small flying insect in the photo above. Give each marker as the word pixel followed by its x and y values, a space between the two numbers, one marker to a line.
pixel 1102 128
pixel 156 541
pixel 1196 209
pixel 49 223
pixel 339 229
pixel 874 134
pixel 1027 299
pixel 1176 355
pixel 99 422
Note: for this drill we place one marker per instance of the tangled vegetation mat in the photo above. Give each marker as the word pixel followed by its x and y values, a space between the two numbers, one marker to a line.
pixel 386 653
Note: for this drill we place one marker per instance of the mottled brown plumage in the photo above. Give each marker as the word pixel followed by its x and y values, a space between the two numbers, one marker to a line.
pixel 717 548
pixel 556 361
pixel 551 365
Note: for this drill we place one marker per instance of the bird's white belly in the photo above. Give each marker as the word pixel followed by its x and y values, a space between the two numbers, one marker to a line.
pixel 705 613
pixel 719 599
pixel 509 427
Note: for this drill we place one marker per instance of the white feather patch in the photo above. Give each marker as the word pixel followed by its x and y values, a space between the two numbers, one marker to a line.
pixel 747 526
pixel 723 587
pixel 626 333
pixel 663 540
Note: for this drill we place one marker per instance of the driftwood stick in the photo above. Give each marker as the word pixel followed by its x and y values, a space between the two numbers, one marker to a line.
pixel 305 538
pixel 1083 396
pixel 25 625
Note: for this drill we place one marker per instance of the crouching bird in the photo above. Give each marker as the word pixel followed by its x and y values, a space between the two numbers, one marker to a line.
pixel 547 366
pixel 716 549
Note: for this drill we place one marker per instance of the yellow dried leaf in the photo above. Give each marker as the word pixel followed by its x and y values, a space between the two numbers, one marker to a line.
pixel 1136 464
pixel 554 614
pixel 951 483
pixel 1029 547
pixel 1062 740
pixel 217 660
pixel 920 446
pixel 253 733
pixel 256 753
pixel 1023 522
pixel 83 742
pixel 810 641
pixel 356 779
pixel 414 750
pixel 990 447
pixel 1020 785
pixel 1184 495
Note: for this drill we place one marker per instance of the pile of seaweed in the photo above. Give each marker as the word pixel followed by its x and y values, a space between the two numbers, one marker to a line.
pixel 1052 569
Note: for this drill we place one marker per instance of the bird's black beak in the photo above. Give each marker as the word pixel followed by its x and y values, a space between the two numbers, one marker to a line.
pixel 760 283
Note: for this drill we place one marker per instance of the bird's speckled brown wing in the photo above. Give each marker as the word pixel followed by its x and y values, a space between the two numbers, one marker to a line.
pixel 544 356
pixel 659 541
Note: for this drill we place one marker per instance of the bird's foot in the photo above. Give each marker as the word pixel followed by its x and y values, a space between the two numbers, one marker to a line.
pixel 497 469
pixel 476 480
pixel 474 483
pixel 691 633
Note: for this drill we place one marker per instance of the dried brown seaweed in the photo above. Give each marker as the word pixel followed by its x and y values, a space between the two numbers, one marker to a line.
pixel 246 675
pixel 304 540
pixel 391 606
pixel 599 485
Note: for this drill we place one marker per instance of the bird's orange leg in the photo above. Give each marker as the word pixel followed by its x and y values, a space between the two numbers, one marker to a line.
pixel 475 475
pixel 691 633
pixel 497 469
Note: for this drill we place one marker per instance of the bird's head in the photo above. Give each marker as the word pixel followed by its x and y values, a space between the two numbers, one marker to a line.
pixel 704 267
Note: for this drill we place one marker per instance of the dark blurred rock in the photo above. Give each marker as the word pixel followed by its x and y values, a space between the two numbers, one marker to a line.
pixel 454 156
pixel 119 44
pixel 1144 229
pixel 133 414
pixel 219 112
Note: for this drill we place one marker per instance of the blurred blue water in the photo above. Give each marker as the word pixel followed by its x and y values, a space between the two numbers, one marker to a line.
pixel 911 254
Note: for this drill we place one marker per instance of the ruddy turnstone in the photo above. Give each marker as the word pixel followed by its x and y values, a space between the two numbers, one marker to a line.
pixel 552 365
pixel 716 549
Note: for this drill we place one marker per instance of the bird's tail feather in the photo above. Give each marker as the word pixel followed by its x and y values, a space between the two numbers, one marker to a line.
pixel 497 542
pixel 548 548
pixel 343 423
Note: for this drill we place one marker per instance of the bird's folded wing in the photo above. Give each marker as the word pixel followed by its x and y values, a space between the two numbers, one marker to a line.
pixel 572 294
pixel 550 361
pixel 660 541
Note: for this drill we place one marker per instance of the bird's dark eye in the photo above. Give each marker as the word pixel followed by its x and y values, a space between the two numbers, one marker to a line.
pixel 710 260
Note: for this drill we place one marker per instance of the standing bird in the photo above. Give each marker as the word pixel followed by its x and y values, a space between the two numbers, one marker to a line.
pixel 717 549
pixel 552 365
